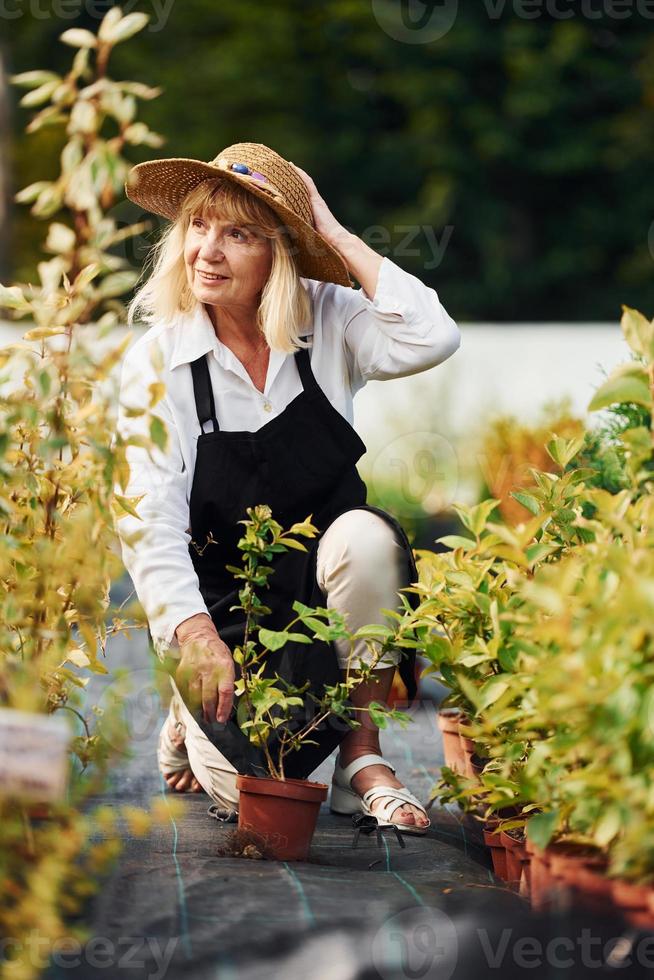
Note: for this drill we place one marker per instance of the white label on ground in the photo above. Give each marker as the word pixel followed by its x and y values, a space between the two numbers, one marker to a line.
pixel 33 756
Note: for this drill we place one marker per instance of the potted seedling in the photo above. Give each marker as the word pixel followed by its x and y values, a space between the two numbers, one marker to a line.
pixel 569 734
pixel 282 811
pixel 467 641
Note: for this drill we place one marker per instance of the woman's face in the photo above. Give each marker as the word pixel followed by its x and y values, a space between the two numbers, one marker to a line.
pixel 226 264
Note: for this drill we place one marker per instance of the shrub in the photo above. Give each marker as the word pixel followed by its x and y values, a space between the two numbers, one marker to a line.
pixel 58 554
pixel 556 674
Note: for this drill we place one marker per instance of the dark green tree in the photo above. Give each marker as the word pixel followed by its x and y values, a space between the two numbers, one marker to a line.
pixel 506 163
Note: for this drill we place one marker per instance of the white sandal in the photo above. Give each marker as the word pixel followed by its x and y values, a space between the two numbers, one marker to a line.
pixel 345 800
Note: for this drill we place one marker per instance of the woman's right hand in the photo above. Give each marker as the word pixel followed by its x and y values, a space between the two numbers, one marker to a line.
pixel 205 673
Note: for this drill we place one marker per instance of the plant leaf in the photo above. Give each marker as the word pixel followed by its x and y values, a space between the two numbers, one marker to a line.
pixel 273 639
pixel 638 332
pixel 456 541
pixel 621 388
pixel 526 500
pixel 77 37
pixel 541 828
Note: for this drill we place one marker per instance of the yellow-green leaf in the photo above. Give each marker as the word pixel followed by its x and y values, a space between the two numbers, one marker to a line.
pixel 621 388
pixel 31 192
pixel 456 541
pixel 34 79
pixel 125 503
pixel 128 26
pixel 76 37
pixel 491 691
pixel 157 390
pixel 77 657
pixel 12 298
pixel 608 826
pixel 40 333
pixel 158 433
pixel 541 828
pixel 638 332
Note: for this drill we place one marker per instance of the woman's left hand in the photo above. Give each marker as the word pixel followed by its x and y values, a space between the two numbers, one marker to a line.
pixel 326 224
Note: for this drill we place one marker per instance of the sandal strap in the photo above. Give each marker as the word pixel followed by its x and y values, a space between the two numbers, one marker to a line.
pixel 347 772
pixel 400 796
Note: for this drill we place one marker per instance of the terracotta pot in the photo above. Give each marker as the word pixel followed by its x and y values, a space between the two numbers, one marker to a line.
pixel 517 861
pixel 630 896
pixel 569 860
pixel 542 883
pixel 39 811
pixel 640 919
pixel 477 765
pixel 582 871
pixel 540 880
pixel 283 812
pixel 449 722
pixel 634 902
pixel 493 840
pixel 595 883
pixel 468 749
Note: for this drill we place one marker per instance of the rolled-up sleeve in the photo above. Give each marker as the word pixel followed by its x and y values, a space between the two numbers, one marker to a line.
pixel 403 330
pixel 155 547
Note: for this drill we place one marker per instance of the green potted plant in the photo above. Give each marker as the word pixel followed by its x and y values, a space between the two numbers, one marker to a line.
pixel 466 640
pixel 282 811
pixel 575 757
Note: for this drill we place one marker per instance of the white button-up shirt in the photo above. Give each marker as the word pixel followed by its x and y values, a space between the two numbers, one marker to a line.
pixel 402 331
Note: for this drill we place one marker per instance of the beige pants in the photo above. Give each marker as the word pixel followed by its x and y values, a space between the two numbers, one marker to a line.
pixel 359 568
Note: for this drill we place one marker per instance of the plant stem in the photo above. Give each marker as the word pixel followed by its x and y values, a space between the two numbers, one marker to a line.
pixel 67 707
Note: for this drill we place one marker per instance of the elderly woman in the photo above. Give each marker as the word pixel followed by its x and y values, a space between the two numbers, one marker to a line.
pixel 261 342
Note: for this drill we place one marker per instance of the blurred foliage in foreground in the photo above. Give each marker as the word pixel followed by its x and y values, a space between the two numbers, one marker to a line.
pixel 58 467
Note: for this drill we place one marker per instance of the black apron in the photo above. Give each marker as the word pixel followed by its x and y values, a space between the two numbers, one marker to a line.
pixel 300 463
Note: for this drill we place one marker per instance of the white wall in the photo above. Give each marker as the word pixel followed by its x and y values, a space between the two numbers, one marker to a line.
pixel 502 368
pixel 415 427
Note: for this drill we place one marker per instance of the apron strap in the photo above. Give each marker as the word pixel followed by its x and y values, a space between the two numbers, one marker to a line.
pixel 303 361
pixel 203 392
pixel 204 403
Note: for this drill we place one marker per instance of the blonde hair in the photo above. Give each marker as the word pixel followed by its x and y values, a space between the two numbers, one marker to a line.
pixel 285 308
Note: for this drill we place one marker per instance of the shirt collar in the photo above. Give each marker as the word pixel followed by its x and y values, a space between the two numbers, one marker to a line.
pixel 195 336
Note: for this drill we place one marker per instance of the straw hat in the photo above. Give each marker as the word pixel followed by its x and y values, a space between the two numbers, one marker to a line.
pixel 160 186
